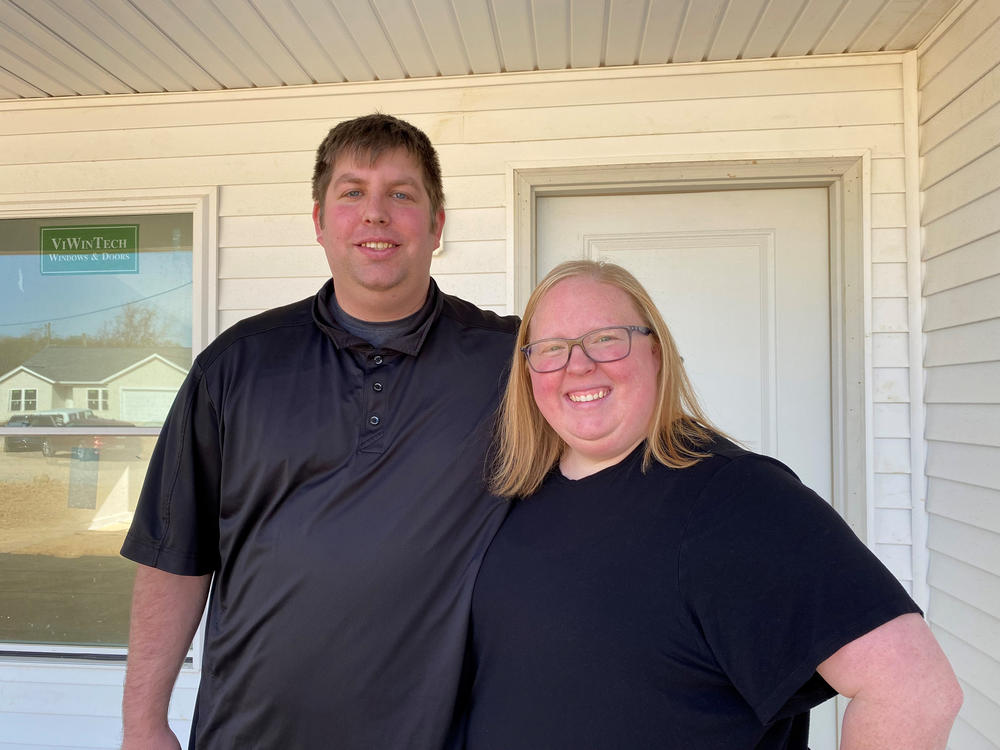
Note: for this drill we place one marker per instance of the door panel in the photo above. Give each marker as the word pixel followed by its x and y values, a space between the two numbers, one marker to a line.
pixel 742 279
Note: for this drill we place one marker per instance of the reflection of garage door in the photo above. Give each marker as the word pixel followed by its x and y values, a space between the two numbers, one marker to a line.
pixel 141 406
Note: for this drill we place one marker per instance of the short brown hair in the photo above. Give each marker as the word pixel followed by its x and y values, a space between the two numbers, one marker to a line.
pixel 526 445
pixel 369 137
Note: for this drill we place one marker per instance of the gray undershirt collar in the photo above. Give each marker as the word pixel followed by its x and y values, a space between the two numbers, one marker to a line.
pixel 379 333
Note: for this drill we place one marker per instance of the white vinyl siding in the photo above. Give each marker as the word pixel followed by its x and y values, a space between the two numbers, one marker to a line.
pixel 960 183
pixel 258 148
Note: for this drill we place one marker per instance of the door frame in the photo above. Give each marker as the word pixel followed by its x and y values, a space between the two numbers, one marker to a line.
pixel 847 177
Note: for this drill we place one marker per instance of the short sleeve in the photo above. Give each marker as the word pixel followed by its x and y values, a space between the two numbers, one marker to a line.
pixel 176 527
pixel 778 582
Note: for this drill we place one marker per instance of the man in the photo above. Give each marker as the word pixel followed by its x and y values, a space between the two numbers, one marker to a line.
pixel 322 467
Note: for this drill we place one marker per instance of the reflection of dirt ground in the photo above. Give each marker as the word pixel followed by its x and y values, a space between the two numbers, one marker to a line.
pixel 66 507
pixel 35 519
pixel 61 577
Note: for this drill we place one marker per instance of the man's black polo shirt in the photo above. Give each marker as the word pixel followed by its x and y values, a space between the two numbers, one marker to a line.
pixel 336 491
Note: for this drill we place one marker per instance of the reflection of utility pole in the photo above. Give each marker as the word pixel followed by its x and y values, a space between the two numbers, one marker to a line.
pixel 48 332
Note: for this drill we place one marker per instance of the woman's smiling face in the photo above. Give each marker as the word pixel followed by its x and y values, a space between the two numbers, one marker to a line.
pixel 601 410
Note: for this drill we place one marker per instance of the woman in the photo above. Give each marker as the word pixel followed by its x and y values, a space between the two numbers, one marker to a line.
pixel 654 585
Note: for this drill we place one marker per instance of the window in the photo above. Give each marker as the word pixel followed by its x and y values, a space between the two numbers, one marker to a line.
pixel 97 399
pixel 23 399
pixel 104 341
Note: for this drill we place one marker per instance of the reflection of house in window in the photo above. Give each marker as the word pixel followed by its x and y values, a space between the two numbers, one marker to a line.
pixel 97 399
pixel 23 399
pixel 132 384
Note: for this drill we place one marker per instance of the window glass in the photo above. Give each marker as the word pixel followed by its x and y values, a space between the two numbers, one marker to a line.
pixel 23 400
pixel 65 510
pixel 95 340
pixel 97 399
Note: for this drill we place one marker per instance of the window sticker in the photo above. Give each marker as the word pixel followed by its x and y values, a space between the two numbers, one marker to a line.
pixel 89 249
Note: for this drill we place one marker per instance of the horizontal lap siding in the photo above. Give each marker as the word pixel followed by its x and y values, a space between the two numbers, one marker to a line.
pixel 258 148
pixel 960 182
pixel 57 707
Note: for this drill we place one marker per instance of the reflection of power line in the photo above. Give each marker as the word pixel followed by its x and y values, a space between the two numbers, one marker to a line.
pixel 94 312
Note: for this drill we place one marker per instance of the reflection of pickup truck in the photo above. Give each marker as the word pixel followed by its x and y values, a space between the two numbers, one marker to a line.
pixel 79 446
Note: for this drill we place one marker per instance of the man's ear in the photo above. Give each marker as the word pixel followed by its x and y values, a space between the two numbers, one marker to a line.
pixel 438 227
pixel 317 219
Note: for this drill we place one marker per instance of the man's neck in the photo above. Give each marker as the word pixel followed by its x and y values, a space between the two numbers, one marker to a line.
pixel 381 307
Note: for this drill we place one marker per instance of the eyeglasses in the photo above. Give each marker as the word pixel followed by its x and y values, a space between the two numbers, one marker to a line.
pixel 601 345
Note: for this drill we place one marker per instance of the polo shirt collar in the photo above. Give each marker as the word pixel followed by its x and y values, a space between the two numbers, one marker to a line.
pixel 407 344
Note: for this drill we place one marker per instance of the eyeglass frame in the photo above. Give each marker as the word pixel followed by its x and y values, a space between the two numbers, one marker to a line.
pixel 578 341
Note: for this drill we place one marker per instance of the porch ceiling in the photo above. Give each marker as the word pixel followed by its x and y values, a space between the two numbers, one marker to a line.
pixel 59 48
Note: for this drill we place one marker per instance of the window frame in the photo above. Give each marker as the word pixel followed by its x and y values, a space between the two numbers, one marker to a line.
pixel 15 399
pixel 22 399
pixel 100 401
pixel 202 202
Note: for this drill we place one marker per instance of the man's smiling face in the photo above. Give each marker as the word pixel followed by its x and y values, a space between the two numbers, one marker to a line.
pixel 379 235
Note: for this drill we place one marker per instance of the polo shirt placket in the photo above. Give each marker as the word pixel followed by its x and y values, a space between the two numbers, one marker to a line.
pixel 379 368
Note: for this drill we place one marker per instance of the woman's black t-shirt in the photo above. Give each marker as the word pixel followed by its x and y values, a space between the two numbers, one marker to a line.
pixel 682 609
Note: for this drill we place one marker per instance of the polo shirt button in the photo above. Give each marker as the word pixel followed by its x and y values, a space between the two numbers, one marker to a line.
pixel 373 421
pixel 377 359
pixel 377 387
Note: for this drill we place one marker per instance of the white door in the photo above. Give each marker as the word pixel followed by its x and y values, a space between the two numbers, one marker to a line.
pixel 742 278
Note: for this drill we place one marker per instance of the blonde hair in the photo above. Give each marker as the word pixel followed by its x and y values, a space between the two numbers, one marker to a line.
pixel 526 446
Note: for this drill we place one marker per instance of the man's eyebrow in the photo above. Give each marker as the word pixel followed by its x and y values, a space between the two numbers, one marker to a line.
pixel 347 177
pixel 353 179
